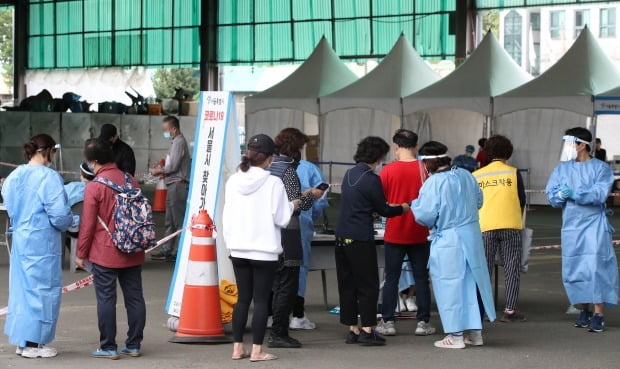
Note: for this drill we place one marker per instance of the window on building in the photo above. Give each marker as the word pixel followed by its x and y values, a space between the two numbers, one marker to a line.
pixel 535 67
pixel 582 18
pixel 556 24
pixel 513 32
pixel 608 22
pixel 535 21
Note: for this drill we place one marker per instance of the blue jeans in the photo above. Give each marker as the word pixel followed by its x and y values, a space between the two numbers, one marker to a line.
pixel 418 257
pixel 130 280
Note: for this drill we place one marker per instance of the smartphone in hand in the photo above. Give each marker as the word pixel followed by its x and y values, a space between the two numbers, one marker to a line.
pixel 323 186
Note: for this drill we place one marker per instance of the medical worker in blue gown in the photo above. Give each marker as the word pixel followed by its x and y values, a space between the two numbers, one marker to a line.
pixel 580 185
pixel 448 205
pixel 37 205
pixel 310 176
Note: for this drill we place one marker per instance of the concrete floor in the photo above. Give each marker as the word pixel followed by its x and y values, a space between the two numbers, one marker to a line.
pixel 547 340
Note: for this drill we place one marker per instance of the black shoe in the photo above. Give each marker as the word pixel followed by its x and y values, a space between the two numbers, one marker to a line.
pixel 352 338
pixel 370 339
pixel 171 258
pixel 282 342
pixel 159 256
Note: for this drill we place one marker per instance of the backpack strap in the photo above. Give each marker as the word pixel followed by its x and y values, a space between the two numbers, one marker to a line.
pixel 128 182
pixel 109 184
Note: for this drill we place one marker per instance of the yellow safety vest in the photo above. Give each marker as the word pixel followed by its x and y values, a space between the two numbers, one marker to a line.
pixel 501 208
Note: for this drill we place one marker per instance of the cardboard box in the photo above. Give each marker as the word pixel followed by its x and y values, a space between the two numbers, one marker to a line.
pixel 189 108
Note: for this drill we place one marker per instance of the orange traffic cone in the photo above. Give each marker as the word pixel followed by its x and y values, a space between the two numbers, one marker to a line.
pixel 201 317
pixel 159 202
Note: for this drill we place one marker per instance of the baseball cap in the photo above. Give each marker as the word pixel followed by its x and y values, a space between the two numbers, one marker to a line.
pixel 261 143
pixel 470 148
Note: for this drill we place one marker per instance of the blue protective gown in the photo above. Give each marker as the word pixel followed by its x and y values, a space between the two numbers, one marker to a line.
pixel 589 266
pixel 37 205
pixel 310 176
pixel 448 205
pixel 75 192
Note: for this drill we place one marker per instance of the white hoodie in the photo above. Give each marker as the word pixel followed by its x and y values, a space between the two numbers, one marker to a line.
pixel 255 209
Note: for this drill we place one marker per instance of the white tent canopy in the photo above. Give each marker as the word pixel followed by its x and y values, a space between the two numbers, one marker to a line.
pixel 284 104
pixel 401 73
pixel 489 71
pixel 570 84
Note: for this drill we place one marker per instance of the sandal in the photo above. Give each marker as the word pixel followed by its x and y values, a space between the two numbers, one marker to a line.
pixel 244 355
pixel 264 357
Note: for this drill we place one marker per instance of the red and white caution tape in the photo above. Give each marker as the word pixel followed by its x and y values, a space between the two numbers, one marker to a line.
pixel 90 280
pixel 613 194
pixel 558 247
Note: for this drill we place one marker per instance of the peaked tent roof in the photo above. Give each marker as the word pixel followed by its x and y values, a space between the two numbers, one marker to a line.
pixel 401 73
pixel 585 70
pixel 489 71
pixel 321 74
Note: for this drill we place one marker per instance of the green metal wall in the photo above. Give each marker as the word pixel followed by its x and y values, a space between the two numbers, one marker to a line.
pixel 96 33
pixel 273 31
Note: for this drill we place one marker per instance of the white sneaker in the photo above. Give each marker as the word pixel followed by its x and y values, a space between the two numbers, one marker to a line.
pixel 424 329
pixel 451 342
pixel 301 323
pixel 19 351
pixel 39 352
pixel 386 328
pixel 269 322
pixel 401 305
pixel 410 303
pixel 572 310
pixel 474 340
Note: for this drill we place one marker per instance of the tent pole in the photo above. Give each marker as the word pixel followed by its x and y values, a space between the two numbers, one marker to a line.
pixel 593 124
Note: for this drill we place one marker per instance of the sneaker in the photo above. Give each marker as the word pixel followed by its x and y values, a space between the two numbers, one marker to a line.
pixel 105 354
pixel 510 316
pixel 572 310
pixel 386 328
pixel 352 338
pixel 269 322
pixel 597 324
pixel 583 321
pixel 401 305
pixel 451 342
pixel 411 305
pixel 301 323
pixel 370 339
pixel 424 329
pixel 39 352
pixel 131 352
pixel 474 340
pixel 282 342
pixel 19 351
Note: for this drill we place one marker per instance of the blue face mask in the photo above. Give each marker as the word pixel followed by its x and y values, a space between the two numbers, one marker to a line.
pixel 167 135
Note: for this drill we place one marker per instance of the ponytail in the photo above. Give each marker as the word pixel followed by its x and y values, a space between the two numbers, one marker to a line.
pixel 245 164
pixel 252 159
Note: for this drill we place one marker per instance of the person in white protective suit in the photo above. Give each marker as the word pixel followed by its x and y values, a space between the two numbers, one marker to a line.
pixel 37 205
pixel 448 204
pixel 580 185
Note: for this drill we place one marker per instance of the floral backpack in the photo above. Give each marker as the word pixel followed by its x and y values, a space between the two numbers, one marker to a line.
pixel 134 230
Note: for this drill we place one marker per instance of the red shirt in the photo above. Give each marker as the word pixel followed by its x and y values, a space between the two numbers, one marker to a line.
pixel 402 181
pixel 94 242
pixel 481 158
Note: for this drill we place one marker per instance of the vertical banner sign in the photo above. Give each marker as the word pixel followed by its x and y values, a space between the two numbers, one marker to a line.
pixel 216 150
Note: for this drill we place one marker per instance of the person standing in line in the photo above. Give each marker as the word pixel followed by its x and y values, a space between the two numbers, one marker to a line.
pixel 501 218
pixel 599 153
pixel 481 158
pixel 580 185
pixel 310 176
pixel 124 156
pixel 256 209
pixel 109 264
pixel 402 180
pixel 37 205
pixel 448 204
pixel 289 143
pixel 466 161
pixel 176 176
pixel 356 252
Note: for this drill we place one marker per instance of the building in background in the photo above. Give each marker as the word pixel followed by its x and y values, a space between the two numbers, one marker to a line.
pixel 536 38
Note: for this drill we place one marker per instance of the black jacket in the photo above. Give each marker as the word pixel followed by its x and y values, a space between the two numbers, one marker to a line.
pixel 124 157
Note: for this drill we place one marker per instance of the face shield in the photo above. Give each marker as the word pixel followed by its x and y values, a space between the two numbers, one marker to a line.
pixel 429 166
pixel 569 148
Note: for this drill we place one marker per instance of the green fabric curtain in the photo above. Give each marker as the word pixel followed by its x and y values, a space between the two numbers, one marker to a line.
pixel 102 33
pixel 275 31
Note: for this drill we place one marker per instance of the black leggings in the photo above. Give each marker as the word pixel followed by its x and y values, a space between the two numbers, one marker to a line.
pixel 254 282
